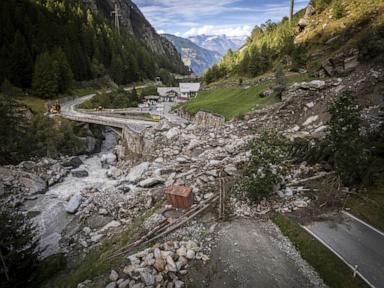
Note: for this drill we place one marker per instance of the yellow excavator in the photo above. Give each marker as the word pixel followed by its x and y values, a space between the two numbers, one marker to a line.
pixel 55 108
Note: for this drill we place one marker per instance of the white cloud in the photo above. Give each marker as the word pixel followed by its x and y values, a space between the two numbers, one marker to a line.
pixel 229 17
pixel 220 30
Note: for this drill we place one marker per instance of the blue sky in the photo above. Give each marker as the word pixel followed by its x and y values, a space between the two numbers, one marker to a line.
pixel 230 17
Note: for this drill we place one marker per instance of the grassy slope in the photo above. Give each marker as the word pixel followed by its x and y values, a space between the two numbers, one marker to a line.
pixel 370 209
pixel 229 102
pixel 37 105
pixel 330 268
pixel 234 101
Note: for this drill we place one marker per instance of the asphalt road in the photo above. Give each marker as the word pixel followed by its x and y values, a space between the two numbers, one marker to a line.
pixel 68 109
pixel 356 243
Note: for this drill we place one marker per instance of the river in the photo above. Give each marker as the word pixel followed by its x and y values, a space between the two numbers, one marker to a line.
pixel 51 217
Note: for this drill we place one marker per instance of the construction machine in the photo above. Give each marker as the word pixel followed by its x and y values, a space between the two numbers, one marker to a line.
pixel 56 108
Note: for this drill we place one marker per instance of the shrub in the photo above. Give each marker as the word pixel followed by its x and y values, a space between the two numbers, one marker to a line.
pixel 348 146
pixel 264 169
pixel 9 90
pixel 371 47
pixel 280 81
pixel 338 10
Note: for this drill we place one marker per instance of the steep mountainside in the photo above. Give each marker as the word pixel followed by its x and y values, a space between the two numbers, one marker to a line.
pixel 220 44
pixel 44 32
pixel 134 22
pixel 330 37
pixel 194 56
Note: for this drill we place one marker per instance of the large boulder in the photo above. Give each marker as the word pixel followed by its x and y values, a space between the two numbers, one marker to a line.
pixel 74 203
pixel 172 133
pixel 151 182
pixel 79 173
pixel 136 173
pixel 74 162
pixel 108 159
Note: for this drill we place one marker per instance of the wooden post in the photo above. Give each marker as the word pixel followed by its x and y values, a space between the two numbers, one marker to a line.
pixel 4 266
pixel 220 195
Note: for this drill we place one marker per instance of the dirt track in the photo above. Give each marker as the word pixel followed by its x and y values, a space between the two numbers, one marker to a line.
pixel 253 253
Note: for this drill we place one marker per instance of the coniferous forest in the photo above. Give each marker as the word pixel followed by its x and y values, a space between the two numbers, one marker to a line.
pixel 45 45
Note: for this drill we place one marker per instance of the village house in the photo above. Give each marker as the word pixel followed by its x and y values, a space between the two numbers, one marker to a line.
pixel 168 94
pixel 188 90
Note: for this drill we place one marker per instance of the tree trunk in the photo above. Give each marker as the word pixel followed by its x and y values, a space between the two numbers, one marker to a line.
pixel 291 11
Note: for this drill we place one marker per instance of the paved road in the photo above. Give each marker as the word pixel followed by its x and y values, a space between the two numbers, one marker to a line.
pixel 68 110
pixel 356 243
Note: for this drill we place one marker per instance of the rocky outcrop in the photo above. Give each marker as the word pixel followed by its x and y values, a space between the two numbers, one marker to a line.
pixel 207 119
pixel 341 64
pixel 133 22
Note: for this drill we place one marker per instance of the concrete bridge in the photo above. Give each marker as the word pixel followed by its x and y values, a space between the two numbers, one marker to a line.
pixel 69 111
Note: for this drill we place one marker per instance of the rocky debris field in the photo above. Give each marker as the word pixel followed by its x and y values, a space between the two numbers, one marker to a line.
pixel 162 265
pixel 115 191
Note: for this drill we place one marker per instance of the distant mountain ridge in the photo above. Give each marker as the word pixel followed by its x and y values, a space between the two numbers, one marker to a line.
pixel 194 56
pixel 218 43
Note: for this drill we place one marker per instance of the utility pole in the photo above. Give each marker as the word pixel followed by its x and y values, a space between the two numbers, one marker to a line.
pixel 291 11
pixel 117 16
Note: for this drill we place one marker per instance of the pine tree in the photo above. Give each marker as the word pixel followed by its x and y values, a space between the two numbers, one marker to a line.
pixel 65 75
pixel 19 259
pixel 117 69
pixel 12 130
pixel 20 62
pixel 45 77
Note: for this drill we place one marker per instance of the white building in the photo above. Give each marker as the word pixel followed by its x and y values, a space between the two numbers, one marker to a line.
pixel 168 94
pixel 183 93
pixel 188 90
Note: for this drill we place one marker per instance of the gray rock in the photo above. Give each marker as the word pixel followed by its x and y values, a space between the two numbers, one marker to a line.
pixel 151 182
pixel 179 284
pixel 28 165
pixel 148 278
pixel 108 159
pixel 32 183
pixel 97 237
pixel 74 162
pixel 172 133
pixel 124 284
pixel 74 203
pixel 266 93
pixel 191 254
pixel 79 173
pixel 98 221
pixel 153 221
pixel 136 173
pixel 230 169
pixel 171 265
pixel 111 285
pixel 113 276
